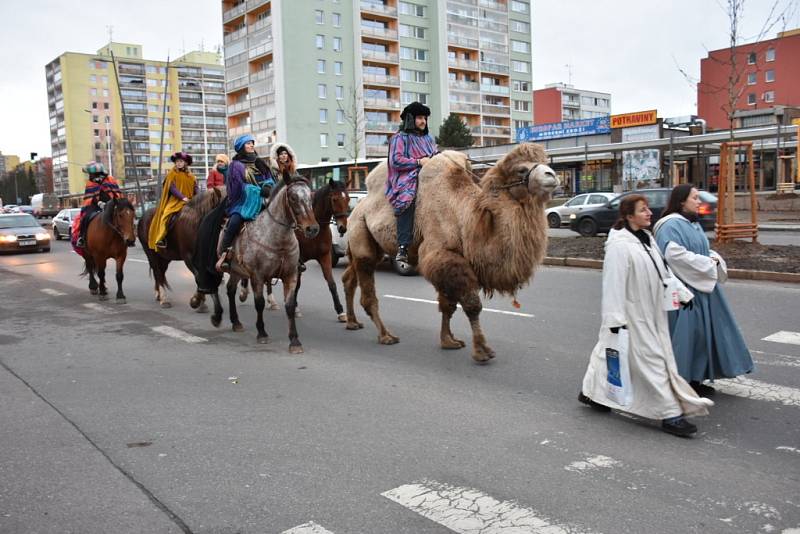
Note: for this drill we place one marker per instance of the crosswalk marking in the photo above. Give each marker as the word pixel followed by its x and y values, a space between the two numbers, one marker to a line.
pixel 52 292
pixel 178 334
pixel 490 310
pixel 757 390
pixel 94 306
pixel 784 336
pixel 469 511
pixel 307 528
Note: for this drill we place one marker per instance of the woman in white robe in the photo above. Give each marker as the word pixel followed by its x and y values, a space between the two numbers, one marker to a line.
pixel 634 275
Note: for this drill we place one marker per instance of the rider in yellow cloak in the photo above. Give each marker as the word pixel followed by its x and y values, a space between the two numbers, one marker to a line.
pixel 179 187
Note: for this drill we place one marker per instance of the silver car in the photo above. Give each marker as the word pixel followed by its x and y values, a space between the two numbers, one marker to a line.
pixel 62 223
pixel 559 215
pixel 339 244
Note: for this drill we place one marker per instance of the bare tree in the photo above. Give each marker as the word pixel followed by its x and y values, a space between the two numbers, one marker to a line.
pixel 353 111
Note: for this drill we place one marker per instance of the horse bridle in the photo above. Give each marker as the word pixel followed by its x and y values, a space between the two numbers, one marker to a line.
pixel 113 226
pixel 293 225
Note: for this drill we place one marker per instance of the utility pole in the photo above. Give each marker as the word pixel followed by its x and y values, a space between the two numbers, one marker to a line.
pixel 159 179
pixel 139 198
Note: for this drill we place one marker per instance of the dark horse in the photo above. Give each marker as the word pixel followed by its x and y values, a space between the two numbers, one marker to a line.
pixel 181 238
pixel 267 248
pixel 108 236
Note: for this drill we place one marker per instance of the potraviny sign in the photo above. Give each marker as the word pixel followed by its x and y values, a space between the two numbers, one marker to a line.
pixel 639 118
pixel 560 130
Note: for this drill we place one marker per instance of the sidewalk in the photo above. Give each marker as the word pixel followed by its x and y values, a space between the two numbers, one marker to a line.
pixel 773 221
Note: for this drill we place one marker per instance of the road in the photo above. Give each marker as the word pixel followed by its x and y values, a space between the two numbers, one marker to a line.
pixel 111 426
pixel 764 237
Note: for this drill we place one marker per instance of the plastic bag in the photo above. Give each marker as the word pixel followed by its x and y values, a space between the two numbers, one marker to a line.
pixel 252 203
pixel 618 378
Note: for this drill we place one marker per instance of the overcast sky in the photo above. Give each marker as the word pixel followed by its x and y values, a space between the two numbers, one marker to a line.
pixel 629 48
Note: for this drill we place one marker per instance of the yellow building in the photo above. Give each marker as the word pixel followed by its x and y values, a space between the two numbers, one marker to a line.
pixel 86 109
pixel 8 162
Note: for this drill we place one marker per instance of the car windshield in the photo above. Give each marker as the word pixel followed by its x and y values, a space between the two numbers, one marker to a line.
pixel 13 221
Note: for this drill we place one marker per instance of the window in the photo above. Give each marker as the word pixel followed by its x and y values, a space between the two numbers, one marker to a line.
pixel 105 105
pixel 419 76
pixel 319 15
pixel 522 105
pixel 751 58
pixel 97 133
pixel 407 30
pixel 322 90
pixel 323 115
pixel 597 199
pixel 519 7
pixel 407 8
pixel 770 54
pixel 340 140
pixel 336 19
pixel 520 27
pixel 751 78
pixel 323 140
pixel 320 42
pixel 769 76
pixel 408 97
pixel 340 116
pixel 94 105
pixel 522 47
pixel 751 99
pixel 521 86
pixel 105 93
pixel 338 68
pixel 413 53
pixel 92 78
pixel 339 92
pixel 769 96
pixel 577 201
pixel 320 66
pixel 337 44
pixel 95 119
pixel 520 66
pixel 93 91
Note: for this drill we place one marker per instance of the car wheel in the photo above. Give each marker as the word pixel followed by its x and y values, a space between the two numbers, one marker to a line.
pixel 587 227
pixel 553 220
pixel 56 235
pixel 404 269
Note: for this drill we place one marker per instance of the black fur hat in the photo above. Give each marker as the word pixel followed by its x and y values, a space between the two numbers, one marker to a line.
pixel 411 112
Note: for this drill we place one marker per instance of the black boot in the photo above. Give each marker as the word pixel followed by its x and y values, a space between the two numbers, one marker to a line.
pixel 402 254
pixel 678 426
pixel 702 389
pixel 594 405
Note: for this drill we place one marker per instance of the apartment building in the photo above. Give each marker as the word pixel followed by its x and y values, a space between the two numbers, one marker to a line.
pixel 563 102
pixel 332 76
pixel 86 109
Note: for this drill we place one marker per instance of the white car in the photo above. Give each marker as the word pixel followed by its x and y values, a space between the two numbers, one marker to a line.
pixel 559 215
pixel 62 223
pixel 340 241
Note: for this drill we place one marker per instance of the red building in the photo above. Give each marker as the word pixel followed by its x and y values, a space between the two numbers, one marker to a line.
pixel 561 102
pixel 769 76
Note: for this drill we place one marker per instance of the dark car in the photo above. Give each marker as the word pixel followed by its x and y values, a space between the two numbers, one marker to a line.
pixel 20 232
pixel 600 219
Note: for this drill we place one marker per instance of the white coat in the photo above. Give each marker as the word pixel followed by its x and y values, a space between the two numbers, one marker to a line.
pixel 632 297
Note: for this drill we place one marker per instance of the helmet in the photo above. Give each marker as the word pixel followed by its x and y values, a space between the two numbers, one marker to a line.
pixel 95 168
pixel 242 140
pixel 181 155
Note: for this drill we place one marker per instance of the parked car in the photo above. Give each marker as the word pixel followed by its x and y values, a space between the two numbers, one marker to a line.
pixel 559 215
pixel 23 209
pixel 20 232
pixel 44 205
pixel 8 208
pixel 62 223
pixel 147 205
pixel 600 219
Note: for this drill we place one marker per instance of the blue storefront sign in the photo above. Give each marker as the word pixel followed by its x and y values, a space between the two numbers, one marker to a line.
pixel 559 130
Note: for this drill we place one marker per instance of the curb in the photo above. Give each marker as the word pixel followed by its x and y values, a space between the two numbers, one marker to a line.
pixel 779 228
pixel 737 274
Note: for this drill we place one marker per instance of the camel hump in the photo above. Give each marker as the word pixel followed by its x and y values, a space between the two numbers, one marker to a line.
pixel 449 165
pixel 376 179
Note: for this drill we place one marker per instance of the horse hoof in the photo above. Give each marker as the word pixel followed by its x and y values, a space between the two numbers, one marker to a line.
pixel 354 325
pixel 298 315
pixel 93 291
pixel 103 297
pixel 203 308
pixel 388 339
pixel 121 301
pixel 166 304
pixel 263 340
pixel 237 327
pixel 194 302
pixel 242 296
pixel 216 321
pixel 342 317
pixel 295 349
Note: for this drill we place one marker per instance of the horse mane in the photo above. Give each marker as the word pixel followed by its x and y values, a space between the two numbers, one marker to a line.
pixel 200 205
pixel 113 205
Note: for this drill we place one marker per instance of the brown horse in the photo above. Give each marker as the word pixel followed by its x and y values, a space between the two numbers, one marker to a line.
pixel 181 238
pixel 108 236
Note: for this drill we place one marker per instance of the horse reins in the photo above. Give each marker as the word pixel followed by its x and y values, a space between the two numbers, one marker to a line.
pixel 293 225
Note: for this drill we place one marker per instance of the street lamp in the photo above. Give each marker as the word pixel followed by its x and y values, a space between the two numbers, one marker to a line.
pixel 195 81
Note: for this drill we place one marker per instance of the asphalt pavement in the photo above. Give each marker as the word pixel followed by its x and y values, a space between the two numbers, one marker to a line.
pixel 133 418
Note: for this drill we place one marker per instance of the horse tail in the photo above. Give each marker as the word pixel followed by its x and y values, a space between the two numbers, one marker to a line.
pixel 88 265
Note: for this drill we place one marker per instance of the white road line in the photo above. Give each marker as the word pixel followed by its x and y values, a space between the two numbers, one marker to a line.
pixel 52 292
pixel 757 390
pixel 307 528
pixel 783 336
pixel 490 310
pixel 137 260
pixel 790 449
pixel 94 306
pixel 592 463
pixel 469 511
pixel 178 334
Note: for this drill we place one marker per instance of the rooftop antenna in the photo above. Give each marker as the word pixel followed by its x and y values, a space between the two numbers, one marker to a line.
pixel 202 45
pixel 569 73
pixel 110 33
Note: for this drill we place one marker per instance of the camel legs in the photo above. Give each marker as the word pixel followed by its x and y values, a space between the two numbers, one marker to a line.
pixel 481 352
pixel 327 272
pixel 365 271
pixel 446 338
pixel 350 283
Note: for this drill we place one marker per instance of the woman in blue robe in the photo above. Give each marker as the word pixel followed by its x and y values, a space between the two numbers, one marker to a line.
pixel 705 338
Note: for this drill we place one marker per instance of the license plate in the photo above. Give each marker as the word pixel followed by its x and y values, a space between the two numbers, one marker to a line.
pixel 27 242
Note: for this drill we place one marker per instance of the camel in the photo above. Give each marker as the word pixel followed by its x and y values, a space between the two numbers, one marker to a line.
pixel 469 236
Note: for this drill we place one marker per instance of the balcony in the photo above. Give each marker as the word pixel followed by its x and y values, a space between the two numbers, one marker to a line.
pixel 381 79
pixel 385 57
pixel 461 85
pixel 494 67
pixel 497 131
pixel 572 104
pixel 475 130
pixel 378 8
pixel 233 85
pixel 265 48
pixel 235 60
pixel 234 12
pixel 462 41
pixel 263 23
pixel 455 18
pixel 494 109
pixel 378 150
pixel 381 127
pixel 252 4
pixel 136 70
pixel 381 103
pixel 468 64
pixel 499 27
pixel 263 100
pixel 494 46
pixel 239 130
pixel 495 89
pixel 261 75
pixel 380 33
pixel 465 107
pixel 491 4
pixel 235 109
pixel 234 36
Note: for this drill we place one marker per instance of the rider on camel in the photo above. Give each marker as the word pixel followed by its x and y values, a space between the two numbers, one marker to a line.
pixel 100 188
pixel 409 150
pixel 179 187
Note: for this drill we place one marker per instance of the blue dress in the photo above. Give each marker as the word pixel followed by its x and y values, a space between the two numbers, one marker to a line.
pixel 705 339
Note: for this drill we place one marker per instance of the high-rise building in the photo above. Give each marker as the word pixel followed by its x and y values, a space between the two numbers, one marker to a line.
pixel 562 102
pixel 8 163
pixel 86 106
pixel 330 77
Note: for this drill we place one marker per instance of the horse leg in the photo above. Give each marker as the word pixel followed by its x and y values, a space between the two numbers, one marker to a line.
pixel 327 272
pixel 231 287
pixel 297 314
pixel 273 304
pixel 243 291
pixel 365 270
pixel 290 298
pixel 216 317
pixel 350 283
pixel 120 262
pixel 258 298
pixel 101 275
pixel 89 269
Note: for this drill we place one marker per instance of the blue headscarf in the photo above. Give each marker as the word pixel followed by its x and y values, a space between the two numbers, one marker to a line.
pixel 240 141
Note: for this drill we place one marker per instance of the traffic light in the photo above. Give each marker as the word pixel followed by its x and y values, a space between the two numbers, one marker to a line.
pixel 33 155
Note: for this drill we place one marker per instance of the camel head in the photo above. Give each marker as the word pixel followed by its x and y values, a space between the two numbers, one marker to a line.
pixel 525 165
